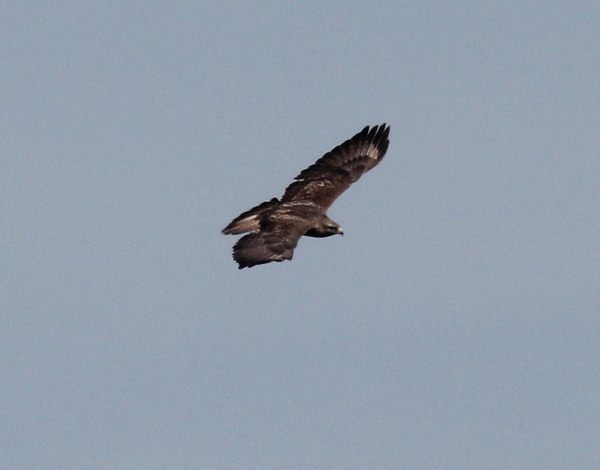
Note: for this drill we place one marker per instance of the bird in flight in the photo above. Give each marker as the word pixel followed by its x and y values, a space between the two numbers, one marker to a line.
pixel 275 226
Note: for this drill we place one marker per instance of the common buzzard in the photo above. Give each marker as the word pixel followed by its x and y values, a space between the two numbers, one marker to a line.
pixel 275 226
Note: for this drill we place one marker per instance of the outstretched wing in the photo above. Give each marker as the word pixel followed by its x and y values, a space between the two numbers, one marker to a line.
pixel 334 172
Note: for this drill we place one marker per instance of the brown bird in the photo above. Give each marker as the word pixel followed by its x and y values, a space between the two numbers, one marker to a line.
pixel 275 226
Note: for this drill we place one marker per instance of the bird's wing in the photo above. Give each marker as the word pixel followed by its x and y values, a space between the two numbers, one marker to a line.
pixel 334 172
pixel 249 221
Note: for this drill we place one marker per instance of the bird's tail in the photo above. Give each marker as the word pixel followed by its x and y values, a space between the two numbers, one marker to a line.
pixel 260 248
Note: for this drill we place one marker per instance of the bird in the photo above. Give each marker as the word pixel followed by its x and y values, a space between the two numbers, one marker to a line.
pixel 274 227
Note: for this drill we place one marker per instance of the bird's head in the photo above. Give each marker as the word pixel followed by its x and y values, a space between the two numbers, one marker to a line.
pixel 325 228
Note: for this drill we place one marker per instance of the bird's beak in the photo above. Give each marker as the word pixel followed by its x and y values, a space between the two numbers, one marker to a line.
pixel 341 231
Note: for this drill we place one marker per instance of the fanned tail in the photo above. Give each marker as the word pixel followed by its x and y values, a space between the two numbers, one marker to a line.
pixel 260 248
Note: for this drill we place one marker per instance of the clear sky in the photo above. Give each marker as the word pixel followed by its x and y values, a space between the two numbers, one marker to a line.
pixel 456 325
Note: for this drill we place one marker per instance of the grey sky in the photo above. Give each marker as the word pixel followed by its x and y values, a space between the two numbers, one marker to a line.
pixel 456 324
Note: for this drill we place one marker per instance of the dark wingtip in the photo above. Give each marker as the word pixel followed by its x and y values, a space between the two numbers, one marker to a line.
pixel 379 133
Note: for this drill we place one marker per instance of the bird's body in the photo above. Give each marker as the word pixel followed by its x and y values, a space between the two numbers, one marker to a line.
pixel 275 226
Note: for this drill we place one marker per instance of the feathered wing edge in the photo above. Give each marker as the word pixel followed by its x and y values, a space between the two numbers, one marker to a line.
pixel 369 144
pixel 249 221
pixel 334 172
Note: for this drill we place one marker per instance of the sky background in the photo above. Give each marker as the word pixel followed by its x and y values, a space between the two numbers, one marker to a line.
pixel 456 325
